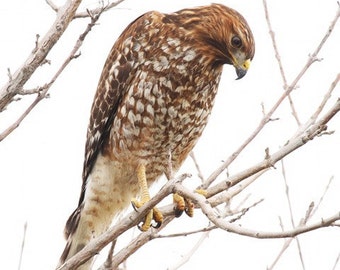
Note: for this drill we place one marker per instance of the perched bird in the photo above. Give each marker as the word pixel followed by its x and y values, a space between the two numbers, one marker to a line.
pixel 154 97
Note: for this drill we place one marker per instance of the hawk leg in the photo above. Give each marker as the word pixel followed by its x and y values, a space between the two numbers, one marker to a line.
pixel 154 214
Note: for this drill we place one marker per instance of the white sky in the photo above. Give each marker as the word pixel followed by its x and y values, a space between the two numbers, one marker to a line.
pixel 41 161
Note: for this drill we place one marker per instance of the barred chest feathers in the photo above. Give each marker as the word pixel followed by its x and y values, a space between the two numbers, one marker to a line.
pixel 167 105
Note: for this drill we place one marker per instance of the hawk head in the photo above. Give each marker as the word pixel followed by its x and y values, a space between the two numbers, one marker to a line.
pixel 222 34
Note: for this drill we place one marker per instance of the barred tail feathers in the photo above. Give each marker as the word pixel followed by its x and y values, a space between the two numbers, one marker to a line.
pixel 108 192
pixel 77 235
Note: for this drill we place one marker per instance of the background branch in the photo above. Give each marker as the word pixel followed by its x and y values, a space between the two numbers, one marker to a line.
pixel 38 55
pixel 43 91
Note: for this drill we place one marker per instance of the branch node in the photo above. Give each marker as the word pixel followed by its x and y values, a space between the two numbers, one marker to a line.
pixel 9 74
pixel 45 61
pixel 36 47
pixel 314 58
pixel 268 158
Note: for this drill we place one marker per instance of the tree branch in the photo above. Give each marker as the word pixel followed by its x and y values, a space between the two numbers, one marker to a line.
pixel 43 91
pixel 230 227
pixel 38 55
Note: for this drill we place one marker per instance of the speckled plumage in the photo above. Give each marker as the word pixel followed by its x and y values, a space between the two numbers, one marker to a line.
pixel 154 97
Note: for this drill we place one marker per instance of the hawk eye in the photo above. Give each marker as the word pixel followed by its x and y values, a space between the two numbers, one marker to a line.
pixel 236 42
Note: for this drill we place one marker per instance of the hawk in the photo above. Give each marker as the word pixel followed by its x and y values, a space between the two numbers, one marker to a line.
pixel 154 97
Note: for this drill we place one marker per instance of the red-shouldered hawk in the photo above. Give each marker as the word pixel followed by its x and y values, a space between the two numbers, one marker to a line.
pixel 153 99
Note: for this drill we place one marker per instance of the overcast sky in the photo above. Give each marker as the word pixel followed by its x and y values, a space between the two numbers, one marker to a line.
pixel 41 162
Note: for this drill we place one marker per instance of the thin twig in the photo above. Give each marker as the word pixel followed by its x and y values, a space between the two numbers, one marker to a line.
pixel 245 210
pixel 290 207
pixel 278 59
pixel 181 234
pixel 108 263
pixel 197 166
pixel 22 246
pixel 188 255
pixel 52 5
pixel 316 207
pixel 321 106
pixel 104 8
pixel 336 262
pixel 33 91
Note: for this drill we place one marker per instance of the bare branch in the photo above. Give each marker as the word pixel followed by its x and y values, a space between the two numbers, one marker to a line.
pixel 142 239
pixel 22 75
pixel 104 8
pixel 88 13
pixel 42 91
pixel 230 227
pixel 16 124
pixel 36 90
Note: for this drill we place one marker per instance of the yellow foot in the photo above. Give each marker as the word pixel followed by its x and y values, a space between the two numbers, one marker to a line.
pixel 153 215
pixel 203 192
pixel 183 205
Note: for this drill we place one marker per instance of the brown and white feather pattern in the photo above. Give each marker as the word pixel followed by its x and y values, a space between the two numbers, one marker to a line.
pixel 155 94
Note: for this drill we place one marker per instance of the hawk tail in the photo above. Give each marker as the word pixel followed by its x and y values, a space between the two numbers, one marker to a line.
pixel 74 234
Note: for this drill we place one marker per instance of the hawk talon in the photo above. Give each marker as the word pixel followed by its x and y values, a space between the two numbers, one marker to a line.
pixel 139 226
pixel 178 212
pixel 134 206
pixel 157 225
pixel 154 215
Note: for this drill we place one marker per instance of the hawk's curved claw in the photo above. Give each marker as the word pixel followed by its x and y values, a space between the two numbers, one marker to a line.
pixel 178 212
pixel 134 206
pixel 157 225
pixel 153 215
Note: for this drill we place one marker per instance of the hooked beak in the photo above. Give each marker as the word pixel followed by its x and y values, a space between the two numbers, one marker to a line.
pixel 241 69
